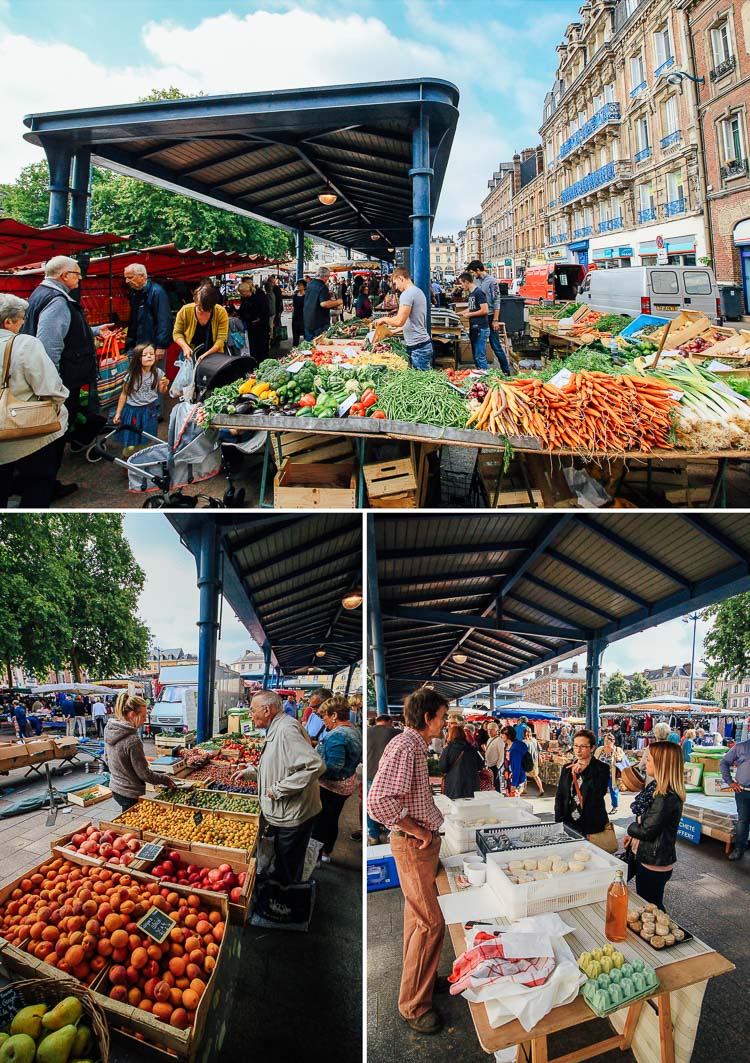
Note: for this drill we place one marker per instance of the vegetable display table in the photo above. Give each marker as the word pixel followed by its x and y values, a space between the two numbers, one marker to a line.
pixel 684 967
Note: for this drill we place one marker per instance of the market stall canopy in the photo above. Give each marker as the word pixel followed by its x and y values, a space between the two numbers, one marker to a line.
pixel 23 245
pixel 505 713
pixel 514 592
pixel 271 155
pixel 74 688
pixel 285 578
pixel 168 261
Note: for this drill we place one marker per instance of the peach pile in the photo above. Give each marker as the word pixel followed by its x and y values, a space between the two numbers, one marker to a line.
pixel 107 844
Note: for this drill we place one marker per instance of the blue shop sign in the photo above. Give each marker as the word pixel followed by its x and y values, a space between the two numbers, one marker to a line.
pixel 579 245
pixel 689 829
pixel 626 252
pixel 608 252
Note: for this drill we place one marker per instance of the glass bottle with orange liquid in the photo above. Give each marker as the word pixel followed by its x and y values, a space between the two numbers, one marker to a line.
pixel 616 920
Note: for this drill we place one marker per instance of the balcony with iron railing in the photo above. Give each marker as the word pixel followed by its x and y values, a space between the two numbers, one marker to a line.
pixel 558 238
pixel 675 206
pixel 552 203
pixel 585 230
pixel 723 68
pixel 734 168
pixel 649 214
pixel 643 154
pixel 671 139
pixel 609 225
pixel 638 88
pixel 606 115
pixel 606 175
pixel 668 62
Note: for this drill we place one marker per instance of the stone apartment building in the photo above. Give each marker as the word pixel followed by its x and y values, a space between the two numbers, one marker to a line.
pixel 620 141
pixel 497 222
pixel 443 257
pixel 529 209
pixel 673 679
pixel 473 241
pixel 720 34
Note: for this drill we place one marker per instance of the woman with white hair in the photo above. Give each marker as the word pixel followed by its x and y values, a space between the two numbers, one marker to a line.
pixel 32 463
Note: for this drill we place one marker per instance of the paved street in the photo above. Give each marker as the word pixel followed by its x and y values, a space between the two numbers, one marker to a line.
pixel 707 894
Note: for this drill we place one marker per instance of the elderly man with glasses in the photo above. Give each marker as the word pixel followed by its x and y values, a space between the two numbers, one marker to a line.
pixel 150 312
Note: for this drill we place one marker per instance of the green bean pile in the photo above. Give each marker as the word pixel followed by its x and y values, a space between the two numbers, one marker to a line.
pixel 422 397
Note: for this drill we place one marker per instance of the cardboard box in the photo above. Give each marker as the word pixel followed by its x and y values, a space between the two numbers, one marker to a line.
pixel 311 485
pixel 236 720
pixel 13 755
pixel 41 750
pixel 64 747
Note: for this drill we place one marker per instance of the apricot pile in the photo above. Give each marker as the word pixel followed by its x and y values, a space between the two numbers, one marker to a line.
pixel 84 919
pixel 180 824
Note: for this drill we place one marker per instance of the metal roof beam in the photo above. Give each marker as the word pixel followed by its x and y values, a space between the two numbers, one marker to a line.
pixel 445 619
pixel 400 160
pixel 269 186
pixel 327 539
pixel 544 585
pixel 528 604
pixel 307 570
pixel 228 156
pixel 452 550
pixel 597 577
pixel 701 524
pixel 342 168
pixel 442 577
pixel 552 530
pixel 636 553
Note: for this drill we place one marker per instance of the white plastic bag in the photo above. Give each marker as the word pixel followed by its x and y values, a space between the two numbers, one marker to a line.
pixel 182 385
pixel 311 858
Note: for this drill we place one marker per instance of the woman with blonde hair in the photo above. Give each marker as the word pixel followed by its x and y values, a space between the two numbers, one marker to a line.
pixel 124 754
pixel 653 834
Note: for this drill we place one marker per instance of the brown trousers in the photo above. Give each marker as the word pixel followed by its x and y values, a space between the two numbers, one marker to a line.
pixel 424 926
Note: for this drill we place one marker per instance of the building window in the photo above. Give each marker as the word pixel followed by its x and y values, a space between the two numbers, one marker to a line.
pixel 721 43
pixel 674 684
pixel 734 702
pixel 745 702
pixel 746 688
pixel 637 71
pixel 671 119
pixel 641 132
pixel 675 192
pixel 565 701
pixel 736 689
pixel 630 6
pixel 731 139
pixel 662 46
pixel 609 92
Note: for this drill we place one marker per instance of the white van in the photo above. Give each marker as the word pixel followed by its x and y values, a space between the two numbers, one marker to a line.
pixel 176 708
pixel 660 290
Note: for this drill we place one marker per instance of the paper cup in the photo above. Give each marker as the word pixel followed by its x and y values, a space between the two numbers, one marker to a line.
pixel 476 872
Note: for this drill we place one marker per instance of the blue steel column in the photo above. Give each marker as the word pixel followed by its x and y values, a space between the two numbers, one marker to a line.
pixel 267 664
pixel 421 175
pixel 58 157
pixel 594 650
pixel 492 697
pixel 300 254
pixel 80 184
pixel 376 622
pixel 208 626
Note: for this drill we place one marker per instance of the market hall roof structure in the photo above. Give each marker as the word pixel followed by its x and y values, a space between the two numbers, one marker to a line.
pixel 270 155
pixel 512 592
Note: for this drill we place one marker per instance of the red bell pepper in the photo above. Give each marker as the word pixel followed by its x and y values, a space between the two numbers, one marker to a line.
pixel 369 398
pixel 379 414
pixel 307 400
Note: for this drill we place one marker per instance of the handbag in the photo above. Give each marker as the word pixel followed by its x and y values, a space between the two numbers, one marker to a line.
pixel 442 781
pixel 486 779
pixel 22 418
pixel 113 371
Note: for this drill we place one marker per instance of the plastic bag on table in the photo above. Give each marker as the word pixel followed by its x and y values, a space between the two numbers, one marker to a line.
pixel 589 493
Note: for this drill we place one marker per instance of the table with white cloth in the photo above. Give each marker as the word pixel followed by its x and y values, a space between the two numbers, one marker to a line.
pixel 659 1027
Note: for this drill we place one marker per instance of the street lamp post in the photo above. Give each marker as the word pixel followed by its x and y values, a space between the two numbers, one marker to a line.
pixel 694 618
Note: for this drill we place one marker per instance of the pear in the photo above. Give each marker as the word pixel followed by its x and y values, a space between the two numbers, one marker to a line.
pixel 3 1037
pixel 66 1012
pixel 19 1048
pixel 29 1020
pixel 81 1043
pixel 57 1046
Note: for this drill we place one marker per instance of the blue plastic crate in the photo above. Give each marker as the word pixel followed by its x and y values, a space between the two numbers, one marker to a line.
pixel 640 322
pixel 381 869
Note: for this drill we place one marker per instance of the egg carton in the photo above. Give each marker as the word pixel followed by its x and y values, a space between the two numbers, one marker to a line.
pixel 619 988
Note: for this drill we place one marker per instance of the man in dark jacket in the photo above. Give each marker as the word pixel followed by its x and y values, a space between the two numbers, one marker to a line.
pixel 150 312
pixel 318 304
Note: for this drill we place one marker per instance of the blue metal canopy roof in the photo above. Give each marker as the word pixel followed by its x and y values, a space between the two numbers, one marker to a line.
pixel 270 155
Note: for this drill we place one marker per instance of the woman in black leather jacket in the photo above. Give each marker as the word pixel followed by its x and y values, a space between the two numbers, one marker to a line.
pixel 652 836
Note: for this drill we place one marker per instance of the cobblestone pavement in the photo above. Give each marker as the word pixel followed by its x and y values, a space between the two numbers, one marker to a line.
pixel 707 894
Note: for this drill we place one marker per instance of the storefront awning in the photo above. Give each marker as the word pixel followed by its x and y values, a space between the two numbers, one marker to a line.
pixel 741 233
pixel 24 245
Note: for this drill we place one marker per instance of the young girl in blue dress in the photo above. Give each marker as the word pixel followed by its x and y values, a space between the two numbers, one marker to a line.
pixel 138 405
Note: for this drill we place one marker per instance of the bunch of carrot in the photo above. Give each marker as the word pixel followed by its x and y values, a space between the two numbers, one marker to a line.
pixel 592 412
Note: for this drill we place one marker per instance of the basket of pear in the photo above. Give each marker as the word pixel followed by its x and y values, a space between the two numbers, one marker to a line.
pixel 55 1021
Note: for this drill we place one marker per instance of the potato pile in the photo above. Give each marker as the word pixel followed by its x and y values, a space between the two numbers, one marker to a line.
pixel 654 926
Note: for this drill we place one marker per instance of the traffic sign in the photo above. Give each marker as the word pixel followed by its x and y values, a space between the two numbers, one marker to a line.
pixel 659 241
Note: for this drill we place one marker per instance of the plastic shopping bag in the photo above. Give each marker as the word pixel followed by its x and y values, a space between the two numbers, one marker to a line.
pixel 182 385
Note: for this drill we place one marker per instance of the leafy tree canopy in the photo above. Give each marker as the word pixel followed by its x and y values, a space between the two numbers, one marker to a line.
pixel 726 647
pixel 639 688
pixel 615 689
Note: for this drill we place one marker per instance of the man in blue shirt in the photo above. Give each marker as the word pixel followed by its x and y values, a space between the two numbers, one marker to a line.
pixel 739 757
pixel 19 712
pixel 521 728
pixel 290 706
pixel 68 709
pixel 492 290
pixel 315 726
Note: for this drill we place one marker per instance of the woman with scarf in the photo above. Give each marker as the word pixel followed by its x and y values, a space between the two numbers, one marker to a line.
pixel 579 802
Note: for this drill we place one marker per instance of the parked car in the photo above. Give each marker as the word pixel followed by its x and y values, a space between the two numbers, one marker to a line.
pixel 552 282
pixel 660 290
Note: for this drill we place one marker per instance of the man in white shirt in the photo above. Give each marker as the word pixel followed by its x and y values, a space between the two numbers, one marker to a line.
pixel 99 716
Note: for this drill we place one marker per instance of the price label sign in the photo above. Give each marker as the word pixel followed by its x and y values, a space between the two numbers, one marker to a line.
pixel 9 1005
pixel 150 851
pixel 198 818
pixel 346 405
pixel 157 924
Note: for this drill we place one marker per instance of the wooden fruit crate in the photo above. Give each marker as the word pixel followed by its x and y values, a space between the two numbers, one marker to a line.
pixel 306 447
pixel 97 793
pixel 300 485
pixel 391 484
pixel 165 743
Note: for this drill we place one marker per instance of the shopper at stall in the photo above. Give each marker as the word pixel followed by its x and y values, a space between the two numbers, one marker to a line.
pixel 738 758
pixel 318 304
pixel 315 701
pixel 124 754
pixel 611 755
pixel 150 313
pixel 579 801
pixel 19 715
pixel 532 744
pixel 290 706
pixel 277 298
pixel 401 798
pixel 341 750
pixel 288 788
pixel 68 710
pixel 516 754
pixel 298 311
pixel 687 744
pixel 203 323
pixel 494 755
pixel 411 319
pixel 28 467
pixel 378 738
pixel 491 289
pixel 652 836
pixel 99 716
pixel 80 718
pixel 363 305
pixel 482 738
pixel 460 764
pixel 476 316
pixel 139 400
pixel 521 728
pixel 315 724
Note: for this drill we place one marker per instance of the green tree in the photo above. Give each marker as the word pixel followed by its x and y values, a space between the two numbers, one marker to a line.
pixel 707 692
pixel 105 583
pixel 35 596
pixel 27 198
pixel 639 687
pixel 615 690
pixel 726 646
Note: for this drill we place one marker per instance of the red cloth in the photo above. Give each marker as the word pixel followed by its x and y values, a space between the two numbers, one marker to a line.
pixel 486 962
pixel 401 786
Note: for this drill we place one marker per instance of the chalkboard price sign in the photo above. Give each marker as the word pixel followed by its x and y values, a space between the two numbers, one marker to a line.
pixel 198 818
pixel 157 924
pixel 9 1005
pixel 150 851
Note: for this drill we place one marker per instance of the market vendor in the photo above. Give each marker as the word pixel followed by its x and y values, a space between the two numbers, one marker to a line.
pixel 318 304
pixel 579 802
pixel 203 323
pixel 124 754
pixel 738 758
pixel 400 798
pixel 411 319
pixel 477 317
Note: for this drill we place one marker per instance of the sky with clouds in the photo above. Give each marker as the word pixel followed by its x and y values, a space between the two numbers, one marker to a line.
pixel 500 54
pixel 169 605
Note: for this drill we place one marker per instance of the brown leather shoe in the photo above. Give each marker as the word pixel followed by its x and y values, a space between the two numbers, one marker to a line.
pixel 429 1023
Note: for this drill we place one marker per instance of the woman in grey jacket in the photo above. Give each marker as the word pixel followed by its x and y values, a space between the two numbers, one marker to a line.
pixel 32 375
pixel 124 754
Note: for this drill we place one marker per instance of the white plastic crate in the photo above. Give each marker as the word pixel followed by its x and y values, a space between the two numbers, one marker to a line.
pixel 462 836
pixel 570 890
pixel 485 805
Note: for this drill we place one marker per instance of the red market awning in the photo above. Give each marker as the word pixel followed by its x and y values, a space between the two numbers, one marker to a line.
pixel 23 245
pixel 169 262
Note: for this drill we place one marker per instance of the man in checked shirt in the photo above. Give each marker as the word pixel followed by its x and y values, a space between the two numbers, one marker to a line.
pixel 401 799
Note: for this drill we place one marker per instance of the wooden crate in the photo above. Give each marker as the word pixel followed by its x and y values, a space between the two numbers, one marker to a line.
pixel 489 465
pixel 312 485
pixel 165 743
pixel 98 793
pixel 306 447
pixel 391 484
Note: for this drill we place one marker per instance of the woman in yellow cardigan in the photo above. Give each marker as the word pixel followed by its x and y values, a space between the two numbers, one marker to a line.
pixel 203 323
